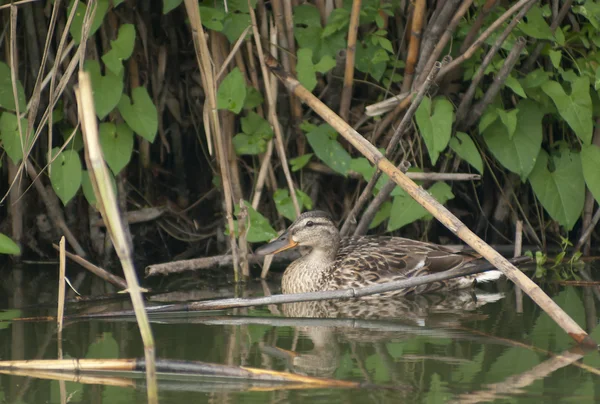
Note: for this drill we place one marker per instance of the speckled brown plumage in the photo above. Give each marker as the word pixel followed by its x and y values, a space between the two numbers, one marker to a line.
pixel 335 263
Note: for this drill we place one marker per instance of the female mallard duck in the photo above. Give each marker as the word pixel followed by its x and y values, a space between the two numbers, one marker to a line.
pixel 340 263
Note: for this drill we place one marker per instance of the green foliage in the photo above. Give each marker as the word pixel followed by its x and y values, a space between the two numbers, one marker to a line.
pixel 434 120
pixel 117 145
pixel 10 137
pixel 256 132
pixel 575 108
pixel 562 189
pixel 463 145
pixel 307 70
pixel 323 141
pixel 285 205
pixel 107 89
pixel 141 116
pixel 232 92
pixel 88 190
pixel 253 98
pixel 590 162
pixel 299 162
pixel 169 5
pixel 7 99
pixel 322 41
pixel 65 173
pixel 7 246
pixel 519 152
pixel 77 25
pixel 121 49
pixel 406 210
pixel 257 226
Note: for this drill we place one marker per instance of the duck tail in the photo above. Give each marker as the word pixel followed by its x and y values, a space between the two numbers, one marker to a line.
pixel 488 276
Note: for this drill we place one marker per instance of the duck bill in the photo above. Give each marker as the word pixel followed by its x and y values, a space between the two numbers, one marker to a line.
pixel 284 242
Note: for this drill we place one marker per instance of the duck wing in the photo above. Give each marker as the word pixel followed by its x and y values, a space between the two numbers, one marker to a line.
pixel 366 260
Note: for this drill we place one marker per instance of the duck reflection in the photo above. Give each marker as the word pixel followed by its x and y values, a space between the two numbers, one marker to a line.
pixel 405 317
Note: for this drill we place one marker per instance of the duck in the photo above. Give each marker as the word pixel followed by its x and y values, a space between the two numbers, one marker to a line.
pixel 334 262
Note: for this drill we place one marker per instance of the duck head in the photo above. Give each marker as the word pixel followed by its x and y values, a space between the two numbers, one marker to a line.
pixel 313 229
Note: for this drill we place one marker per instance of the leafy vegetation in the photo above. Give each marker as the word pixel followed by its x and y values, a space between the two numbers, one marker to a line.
pixel 539 127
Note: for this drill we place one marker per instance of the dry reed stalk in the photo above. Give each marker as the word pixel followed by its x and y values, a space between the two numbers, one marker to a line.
pixel 435 208
pixel 414 44
pixel 234 52
pixel 271 102
pixel 207 74
pixel 96 270
pixel 496 86
pixel 441 44
pixel 483 37
pixel 439 20
pixel 173 366
pixel 61 286
pixel 350 57
pixel 386 105
pixel 243 227
pixel 517 253
pixel 107 204
pixel 465 103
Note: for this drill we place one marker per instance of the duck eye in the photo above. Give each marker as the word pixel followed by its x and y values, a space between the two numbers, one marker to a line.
pixel 309 224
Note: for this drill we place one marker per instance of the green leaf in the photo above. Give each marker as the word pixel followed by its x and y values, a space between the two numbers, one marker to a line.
pixel 339 19
pixel 382 214
pixel 253 98
pixel 434 120
pixel 232 92
pixel 464 146
pixel 117 145
pixel 509 119
pixel 10 137
pixel 371 59
pixel 234 25
pixel 555 56
pixel 597 79
pixel 307 15
pixel 285 205
pixel 141 116
pixel 299 162
pixel 88 189
pixel 212 18
pixel 169 5
pixel 257 131
pixel 362 166
pixel 536 26
pixel 121 49
pixel 7 99
pixel 107 89
pixel 307 70
pixel 65 174
pixel 406 210
pixel 7 246
pixel 562 191
pixel 76 142
pixel 322 140
pixel 519 153
pixel 489 117
pixel 77 25
pixel 515 86
pixel 259 228
pixel 575 108
pixel 535 79
pixel 438 391
pixel 590 162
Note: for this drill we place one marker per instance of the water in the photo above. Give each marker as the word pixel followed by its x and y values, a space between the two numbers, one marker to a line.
pixel 431 349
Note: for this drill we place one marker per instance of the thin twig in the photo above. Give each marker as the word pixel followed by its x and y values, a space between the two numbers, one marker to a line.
pixel 350 55
pixel 499 80
pixel 465 103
